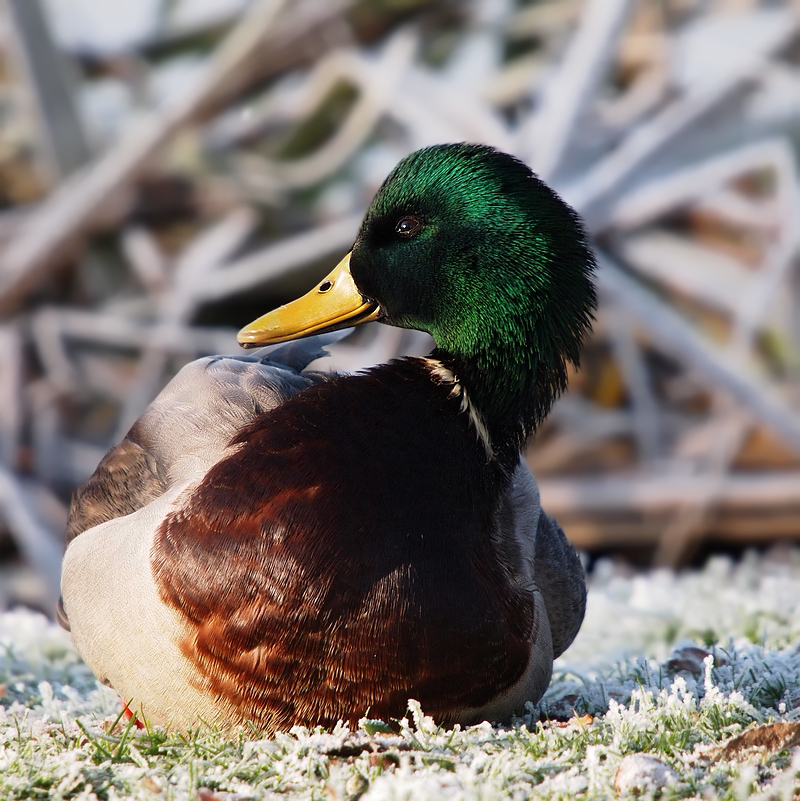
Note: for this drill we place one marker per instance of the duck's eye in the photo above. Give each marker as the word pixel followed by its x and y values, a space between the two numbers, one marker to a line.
pixel 408 226
pixel 325 286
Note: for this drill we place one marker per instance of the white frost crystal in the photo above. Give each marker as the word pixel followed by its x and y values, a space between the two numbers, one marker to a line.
pixel 641 772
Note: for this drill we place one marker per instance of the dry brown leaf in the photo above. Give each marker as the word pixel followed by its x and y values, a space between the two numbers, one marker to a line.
pixel 151 784
pixel 767 740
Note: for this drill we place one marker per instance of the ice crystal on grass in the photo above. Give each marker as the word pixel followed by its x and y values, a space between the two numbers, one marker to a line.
pixel 671 698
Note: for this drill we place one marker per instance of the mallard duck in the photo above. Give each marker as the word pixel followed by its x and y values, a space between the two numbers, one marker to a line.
pixel 280 548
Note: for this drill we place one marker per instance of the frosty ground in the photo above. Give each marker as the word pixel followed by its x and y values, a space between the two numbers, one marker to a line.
pixel 679 685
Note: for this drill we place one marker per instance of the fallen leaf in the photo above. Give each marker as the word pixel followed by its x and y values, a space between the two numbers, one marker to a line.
pixel 152 785
pixel 767 739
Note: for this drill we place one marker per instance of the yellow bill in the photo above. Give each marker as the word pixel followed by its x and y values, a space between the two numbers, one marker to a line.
pixel 333 304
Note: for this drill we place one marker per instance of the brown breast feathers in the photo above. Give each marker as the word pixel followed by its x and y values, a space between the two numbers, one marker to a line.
pixel 321 579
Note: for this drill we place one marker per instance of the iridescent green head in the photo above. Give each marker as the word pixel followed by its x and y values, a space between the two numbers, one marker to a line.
pixel 467 244
pixel 464 242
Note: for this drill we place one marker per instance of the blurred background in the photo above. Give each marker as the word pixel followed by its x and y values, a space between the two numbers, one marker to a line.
pixel 171 169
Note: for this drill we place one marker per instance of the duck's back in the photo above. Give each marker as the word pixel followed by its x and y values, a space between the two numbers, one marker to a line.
pixel 185 431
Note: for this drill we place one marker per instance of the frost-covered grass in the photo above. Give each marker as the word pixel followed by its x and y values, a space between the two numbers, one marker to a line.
pixel 667 668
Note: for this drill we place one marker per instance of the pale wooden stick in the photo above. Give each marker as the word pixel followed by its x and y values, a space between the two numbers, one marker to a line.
pixel 39 546
pixel 567 93
pixel 277 260
pixel 50 80
pixel 146 258
pixel 577 497
pixel 645 407
pixel 11 378
pixel 117 331
pixel 765 526
pixel 692 518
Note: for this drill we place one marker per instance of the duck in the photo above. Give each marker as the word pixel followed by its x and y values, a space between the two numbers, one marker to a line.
pixel 272 546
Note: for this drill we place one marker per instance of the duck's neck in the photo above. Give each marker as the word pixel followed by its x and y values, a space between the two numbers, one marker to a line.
pixel 506 396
